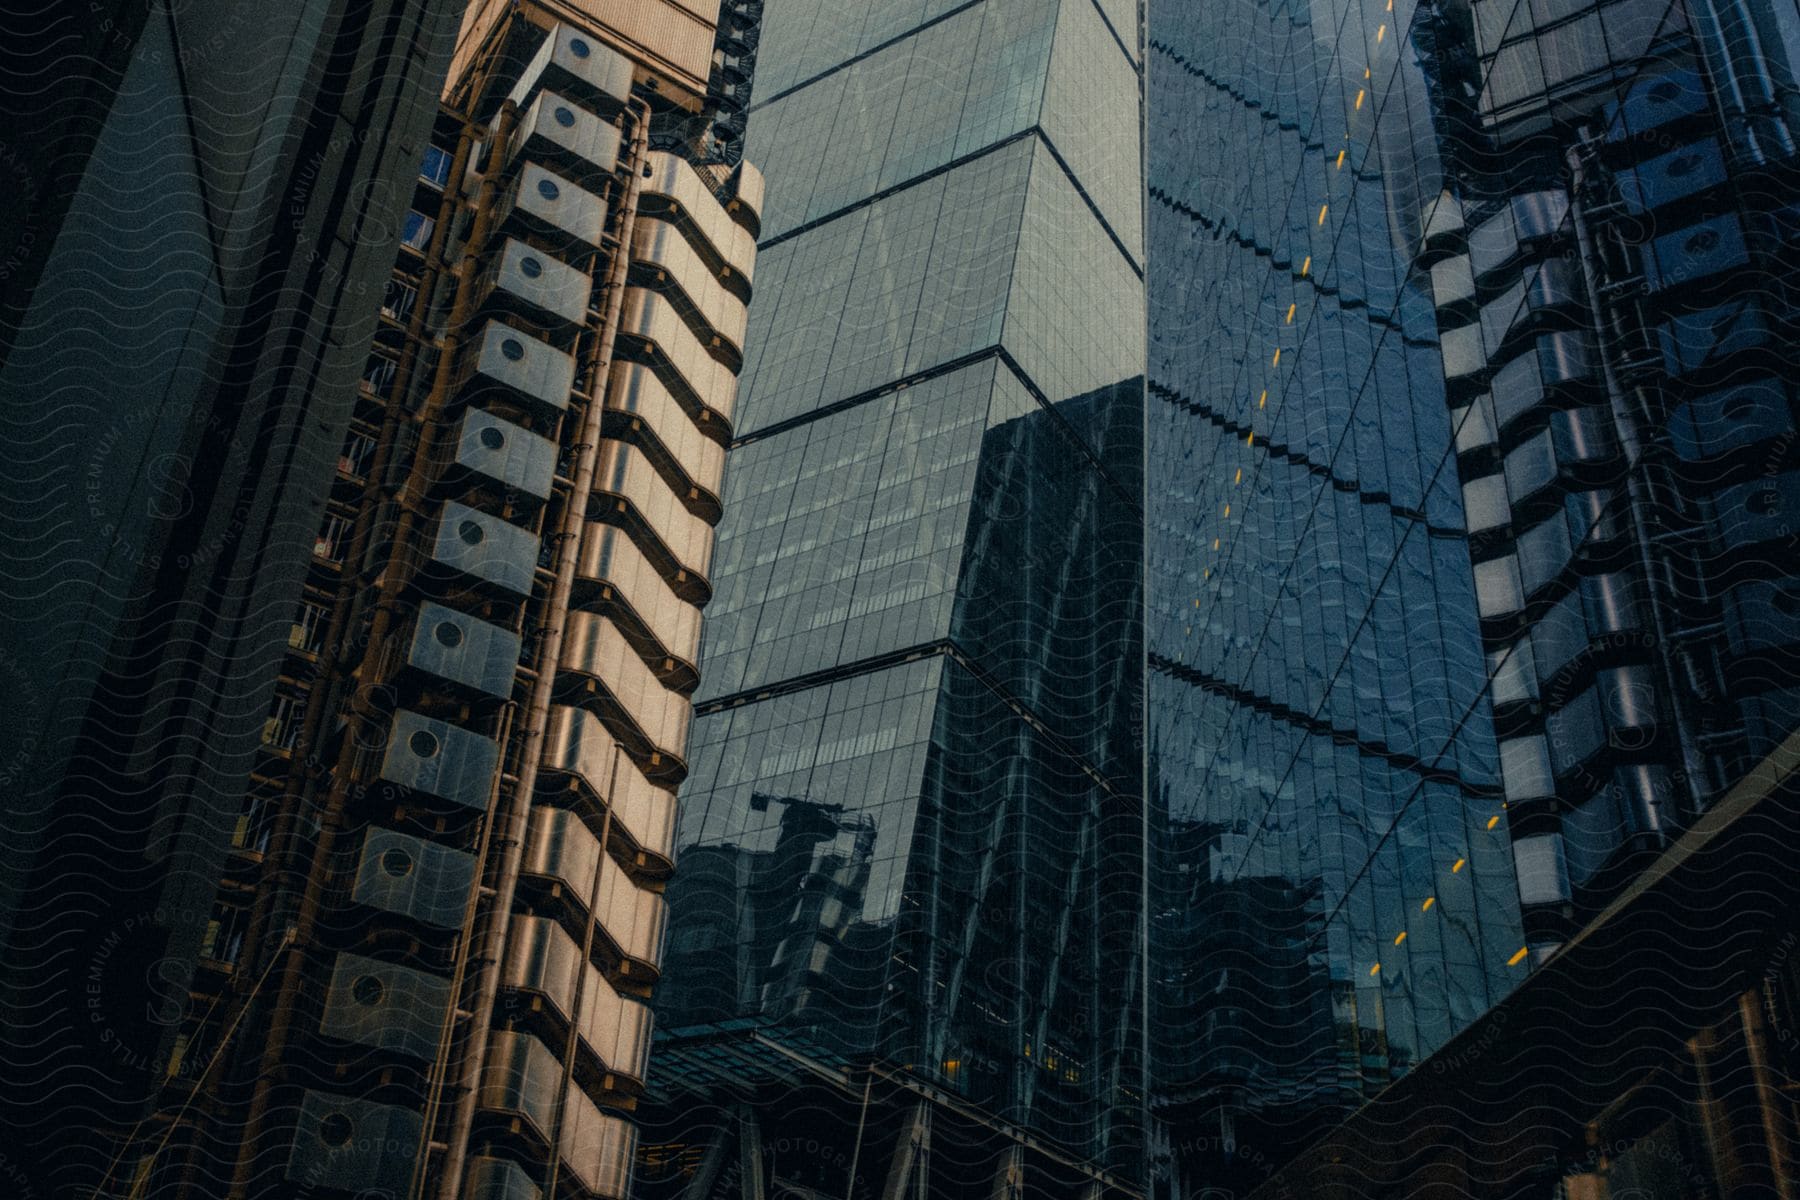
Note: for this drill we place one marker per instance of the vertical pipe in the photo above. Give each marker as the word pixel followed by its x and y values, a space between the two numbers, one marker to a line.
pixel 510 845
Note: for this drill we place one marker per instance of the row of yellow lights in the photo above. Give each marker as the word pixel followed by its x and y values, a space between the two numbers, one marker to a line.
pixel 1262 402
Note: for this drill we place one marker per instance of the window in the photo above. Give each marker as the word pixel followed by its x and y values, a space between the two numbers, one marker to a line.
pixel 378 375
pixel 282 728
pixel 359 448
pixel 416 230
pixel 309 627
pixel 399 299
pixel 329 545
pixel 435 170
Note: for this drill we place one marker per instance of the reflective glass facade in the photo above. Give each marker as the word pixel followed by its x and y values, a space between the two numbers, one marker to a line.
pixel 912 831
pixel 1334 892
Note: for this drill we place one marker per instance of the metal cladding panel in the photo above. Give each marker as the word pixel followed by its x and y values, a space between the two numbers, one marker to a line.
pixel 676 34
pixel 631 916
pixel 525 366
pixel 558 846
pixel 541 282
pixel 439 759
pixel 599 1148
pixel 558 129
pixel 497 1179
pixel 485 547
pixel 463 649
pixel 564 210
pixel 577 742
pixel 635 389
pixel 384 1005
pixel 407 875
pixel 575 63
pixel 522 1077
pixel 674 184
pixel 540 957
pixel 609 557
pixel 506 453
pixel 624 471
pixel 595 647
pixel 651 318
pixel 659 244
pixel 354 1146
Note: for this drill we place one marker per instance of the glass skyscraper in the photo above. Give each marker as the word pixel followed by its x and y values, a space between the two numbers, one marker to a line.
pixel 1334 893
pixel 911 836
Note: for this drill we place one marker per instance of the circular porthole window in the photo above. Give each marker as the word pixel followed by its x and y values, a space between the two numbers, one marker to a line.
pixel 448 634
pixel 1701 242
pixel 336 1130
pixel 470 533
pixel 396 862
pixel 578 48
pixel 565 116
pixel 513 349
pixel 531 266
pixel 492 438
pixel 423 744
pixel 548 190
pixel 367 991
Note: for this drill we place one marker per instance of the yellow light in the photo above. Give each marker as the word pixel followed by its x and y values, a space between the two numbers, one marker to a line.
pixel 1323 208
pixel 1196 598
pixel 1215 547
pixel 1460 863
pixel 1306 267
pixel 1360 93
pixel 1276 361
pixel 1400 937
pixel 1375 970
pixel 1340 162
pixel 1493 820
pixel 1291 308
pixel 1518 958
pixel 1379 34
pixel 1239 477
pixel 1262 401
pixel 1250 438
pixel 1390 6
pixel 1228 510
pixel 1429 901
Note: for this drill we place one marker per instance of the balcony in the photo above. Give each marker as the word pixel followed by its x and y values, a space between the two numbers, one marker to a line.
pixel 515 366
pixel 353 1146
pixel 578 746
pixel 579 67
pixel 495 450
pixel 439 759
pixel 560 133
pixel 646 409
pixel 664 627
pixel 401 874
pixel 542 958
pixel 464 651
pixel 559 213
pixel 650 326
pixel 675 191
pixel 482 548
pixel 498 1179
pixel 560 849
pixel 536 286
pixel 524 1079
pixel 603 670
pixel 386 1006
pixel 625 482
pixel 661 255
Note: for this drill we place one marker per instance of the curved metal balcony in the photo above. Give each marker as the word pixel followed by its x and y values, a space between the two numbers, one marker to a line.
pixel 664 627
pixel 603 670
pixel 524 1080
pixel 640 406
pixel 674 189
pixel 659 252
pixel 651 328
pixel 626 484
pixel 577 745
pixel 561 849
pixel 542 958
